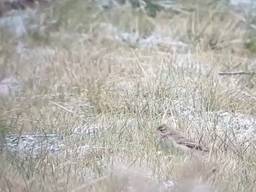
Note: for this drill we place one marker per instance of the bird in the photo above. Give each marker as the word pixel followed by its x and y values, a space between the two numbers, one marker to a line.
pixel 172 139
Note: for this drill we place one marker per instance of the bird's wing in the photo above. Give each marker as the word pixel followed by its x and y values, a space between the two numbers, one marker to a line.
pixel 188 143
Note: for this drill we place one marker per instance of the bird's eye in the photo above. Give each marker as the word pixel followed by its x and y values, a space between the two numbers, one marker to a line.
pixel 161 128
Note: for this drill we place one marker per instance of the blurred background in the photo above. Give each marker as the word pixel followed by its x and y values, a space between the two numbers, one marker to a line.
pixel 84 84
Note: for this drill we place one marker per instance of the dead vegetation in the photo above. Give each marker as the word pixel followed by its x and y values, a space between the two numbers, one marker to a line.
pixel 80 78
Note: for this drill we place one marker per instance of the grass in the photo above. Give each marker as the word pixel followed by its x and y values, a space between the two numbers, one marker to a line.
pixel 125 93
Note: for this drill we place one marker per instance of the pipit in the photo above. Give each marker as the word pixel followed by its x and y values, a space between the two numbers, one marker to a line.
pixel 171 139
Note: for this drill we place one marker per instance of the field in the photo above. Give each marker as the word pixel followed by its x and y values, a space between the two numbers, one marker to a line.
pixel 103 80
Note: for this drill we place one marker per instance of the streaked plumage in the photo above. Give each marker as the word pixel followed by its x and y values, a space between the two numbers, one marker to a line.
pixel 172 138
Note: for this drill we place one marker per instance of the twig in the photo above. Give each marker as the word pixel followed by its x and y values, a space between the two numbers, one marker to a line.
pixel 237 73
pixel 62 107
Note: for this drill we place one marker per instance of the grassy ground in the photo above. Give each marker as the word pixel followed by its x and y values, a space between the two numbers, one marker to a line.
pixel 75 77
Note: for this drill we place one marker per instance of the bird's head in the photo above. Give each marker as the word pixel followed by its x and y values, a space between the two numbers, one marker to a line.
pixel 162 129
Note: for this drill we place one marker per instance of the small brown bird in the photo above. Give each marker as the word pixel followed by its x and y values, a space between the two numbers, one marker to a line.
pixel 173 139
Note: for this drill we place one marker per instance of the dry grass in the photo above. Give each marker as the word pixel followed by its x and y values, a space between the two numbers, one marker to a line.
pixel 126 93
